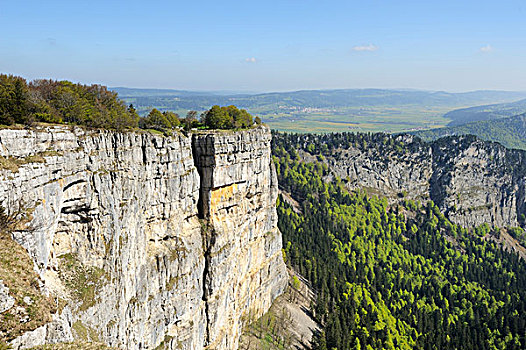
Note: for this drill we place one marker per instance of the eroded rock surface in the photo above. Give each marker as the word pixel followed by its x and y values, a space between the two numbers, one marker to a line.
pixel 245 270
pixel 119 235
pixel 472 181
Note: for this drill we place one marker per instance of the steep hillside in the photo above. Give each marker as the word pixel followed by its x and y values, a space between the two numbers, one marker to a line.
pixel 142 241
pixel 510 132
pixel 486 112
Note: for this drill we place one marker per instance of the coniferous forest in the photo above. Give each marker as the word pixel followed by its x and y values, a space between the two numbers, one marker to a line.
pixel 395 276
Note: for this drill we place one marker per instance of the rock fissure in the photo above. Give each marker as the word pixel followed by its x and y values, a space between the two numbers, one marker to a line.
pixel 73 183
pixel 230 184
pixel 205 295
pixel 180 269
pixel 205 234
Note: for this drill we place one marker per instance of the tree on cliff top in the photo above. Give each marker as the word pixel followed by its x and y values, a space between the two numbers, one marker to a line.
pixel 229 117
pixel 54 101
pixel 160 120
pixel 64 102
pixel 14 96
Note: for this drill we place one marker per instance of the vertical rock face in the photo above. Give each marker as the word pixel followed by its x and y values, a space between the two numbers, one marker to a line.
pixel 472 181
pixel 479 182
pixel 244 266
pixel 116 235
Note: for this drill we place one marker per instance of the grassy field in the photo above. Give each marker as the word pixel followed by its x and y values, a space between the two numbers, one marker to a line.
pixel 363 119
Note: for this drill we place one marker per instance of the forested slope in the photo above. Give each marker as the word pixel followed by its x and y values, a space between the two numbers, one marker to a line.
pixel 486 112
pixel 396 276
pixel 510 132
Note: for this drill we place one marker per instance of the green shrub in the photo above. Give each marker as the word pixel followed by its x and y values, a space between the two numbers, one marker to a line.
pixel 227 118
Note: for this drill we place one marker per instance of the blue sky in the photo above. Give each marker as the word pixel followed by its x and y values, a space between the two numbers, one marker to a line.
pixel 269 45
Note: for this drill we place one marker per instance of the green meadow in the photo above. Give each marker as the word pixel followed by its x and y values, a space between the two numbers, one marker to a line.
pixel 362 119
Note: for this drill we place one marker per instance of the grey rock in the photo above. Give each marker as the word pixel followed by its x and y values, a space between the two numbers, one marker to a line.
pixel 57 331
pixel 6 301
pixel 30 339
pixel 472 181
pixel 128 205
pixel 244 264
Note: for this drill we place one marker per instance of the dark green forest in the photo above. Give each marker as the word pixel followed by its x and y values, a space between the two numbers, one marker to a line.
pixel 395 276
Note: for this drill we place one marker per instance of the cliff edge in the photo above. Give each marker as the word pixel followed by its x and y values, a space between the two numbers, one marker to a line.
pixel 146 241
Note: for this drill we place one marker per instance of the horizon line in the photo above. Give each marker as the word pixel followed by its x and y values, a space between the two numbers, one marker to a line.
pixel 252 92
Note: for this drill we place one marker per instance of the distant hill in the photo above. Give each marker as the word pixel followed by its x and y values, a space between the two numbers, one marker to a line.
pixel 180 99
pixel 134 92
pixel 510 132
pixel 365 110
pixel 487 112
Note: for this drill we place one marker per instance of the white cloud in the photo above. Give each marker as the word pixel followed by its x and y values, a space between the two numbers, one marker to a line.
pixel 486 49
pixel 361 48
pixel 251 60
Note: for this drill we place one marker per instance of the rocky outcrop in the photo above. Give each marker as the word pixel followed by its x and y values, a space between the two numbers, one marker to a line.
pixel 472 181
pixel 6 301
pixel 478 182
pixel 243 245
pixel 141 247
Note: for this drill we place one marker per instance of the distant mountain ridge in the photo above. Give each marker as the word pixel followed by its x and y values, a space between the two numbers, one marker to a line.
pixel 314 98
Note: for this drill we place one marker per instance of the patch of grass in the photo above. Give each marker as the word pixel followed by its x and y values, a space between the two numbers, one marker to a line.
pixel 73 346
pixel 111 324
pixel 9 164
pixel 16 272
pixel 85 333
pixel 177 252
pixel 164 343
pixel 156 132
pixel 84 282
pixel 269 332
pixel 80 330
pixel 12 127
pixel 172 282
pixel 108 245
pixel 122 240
pixel 36 158
pixel 13 164
pixel 51 153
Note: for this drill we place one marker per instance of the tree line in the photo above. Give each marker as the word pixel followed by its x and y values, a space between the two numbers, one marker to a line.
pixel 64 102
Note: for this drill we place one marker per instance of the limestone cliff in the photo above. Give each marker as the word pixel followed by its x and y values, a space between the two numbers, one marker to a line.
pixel 472 181
pixel 146 240
pixel 243 244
